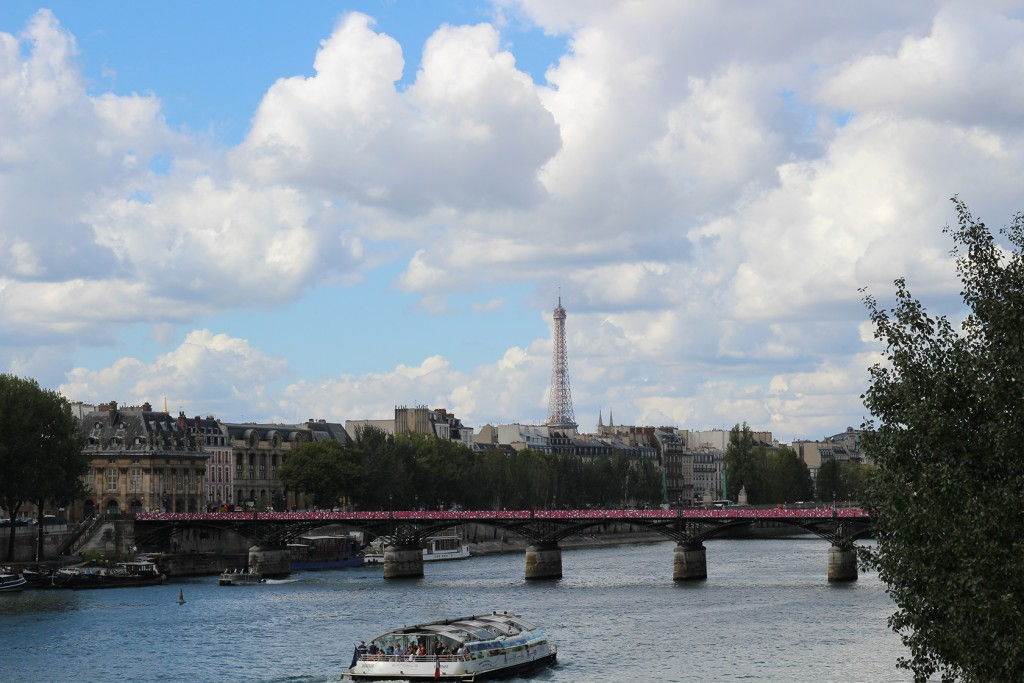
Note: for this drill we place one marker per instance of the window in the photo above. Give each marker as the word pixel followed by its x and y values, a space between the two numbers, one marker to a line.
pixel 135 479
pixel 111 478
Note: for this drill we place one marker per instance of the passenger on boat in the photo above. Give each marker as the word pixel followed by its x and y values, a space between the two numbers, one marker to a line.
pixel 422 652
pixel 438 648
pixel 362 648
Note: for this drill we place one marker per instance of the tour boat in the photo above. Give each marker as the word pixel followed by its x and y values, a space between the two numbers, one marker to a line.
pixel 12 583
pixel 474 648
pixel 240 577
pixel 444 548
pixel 435 548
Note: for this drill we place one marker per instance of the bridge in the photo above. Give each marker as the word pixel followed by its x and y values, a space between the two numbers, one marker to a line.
pixel 405 531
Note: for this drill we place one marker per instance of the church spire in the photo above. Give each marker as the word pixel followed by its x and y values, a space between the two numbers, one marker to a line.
pixel 600 423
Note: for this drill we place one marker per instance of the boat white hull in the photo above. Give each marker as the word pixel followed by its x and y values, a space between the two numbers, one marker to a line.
pixel 460 554
pixel 499 666
pixel 13 586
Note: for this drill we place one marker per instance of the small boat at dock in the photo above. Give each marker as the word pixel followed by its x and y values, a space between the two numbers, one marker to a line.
pixel 472 648
pixel 11 582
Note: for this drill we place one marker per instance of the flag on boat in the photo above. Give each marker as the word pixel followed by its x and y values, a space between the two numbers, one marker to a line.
pixel 355 657
pixel 437 667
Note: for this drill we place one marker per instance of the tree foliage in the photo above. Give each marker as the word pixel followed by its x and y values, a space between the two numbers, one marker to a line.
pixel 324 470
pixel 770 475
pixel 844 481
pixel 949 450
pixel 41 458
pixel 412 471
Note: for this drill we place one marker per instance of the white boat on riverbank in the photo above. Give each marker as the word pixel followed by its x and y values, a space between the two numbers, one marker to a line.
pixel 470 648
pixel 435 549
pixel 444 548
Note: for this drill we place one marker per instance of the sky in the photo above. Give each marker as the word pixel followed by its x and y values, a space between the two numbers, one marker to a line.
pixel 278 211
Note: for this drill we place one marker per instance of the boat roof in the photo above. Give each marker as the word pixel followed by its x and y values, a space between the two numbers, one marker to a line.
pixel 469 629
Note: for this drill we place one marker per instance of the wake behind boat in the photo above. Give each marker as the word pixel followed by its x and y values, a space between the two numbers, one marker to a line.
pixel 469 648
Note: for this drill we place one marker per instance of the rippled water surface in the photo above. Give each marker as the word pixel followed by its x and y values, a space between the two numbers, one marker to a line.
pixel 766 612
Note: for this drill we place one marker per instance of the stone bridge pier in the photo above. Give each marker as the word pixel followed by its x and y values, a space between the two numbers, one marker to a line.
pixel 689 562
pixel 543 561
pixel 842 564
pixel 403 561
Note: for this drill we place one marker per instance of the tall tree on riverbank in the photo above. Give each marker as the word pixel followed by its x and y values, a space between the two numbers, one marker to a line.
pixel 770 475
pixel 41 456
pixel 949 450
pixel 324 470
pixel 742 464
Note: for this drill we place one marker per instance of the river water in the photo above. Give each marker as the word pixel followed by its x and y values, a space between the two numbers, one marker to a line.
pixel 766 612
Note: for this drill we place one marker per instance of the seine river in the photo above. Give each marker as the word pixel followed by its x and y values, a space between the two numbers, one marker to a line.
pixel 766 612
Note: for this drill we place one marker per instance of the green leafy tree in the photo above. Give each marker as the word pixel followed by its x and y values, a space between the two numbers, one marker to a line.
pixel 947 436
pixel 831 484
pixel 324 470
pixel 41 456
pixel 742 464
pixel 785 477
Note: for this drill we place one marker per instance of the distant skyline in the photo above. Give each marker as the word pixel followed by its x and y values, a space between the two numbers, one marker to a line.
pixel 275 211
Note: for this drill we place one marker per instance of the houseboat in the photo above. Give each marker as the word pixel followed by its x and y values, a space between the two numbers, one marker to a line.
pixel 121 575
pixel 324 552
pixel 472 648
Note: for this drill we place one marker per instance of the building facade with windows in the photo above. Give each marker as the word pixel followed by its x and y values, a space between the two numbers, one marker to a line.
pixel 220 472
pixel 139 460
pixel 708 474
pixel 259 450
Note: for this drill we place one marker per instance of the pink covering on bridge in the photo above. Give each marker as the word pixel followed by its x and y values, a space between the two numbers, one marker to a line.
pixel 481 515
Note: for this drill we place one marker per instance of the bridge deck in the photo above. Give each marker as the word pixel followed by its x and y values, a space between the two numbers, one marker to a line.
pixel 470 516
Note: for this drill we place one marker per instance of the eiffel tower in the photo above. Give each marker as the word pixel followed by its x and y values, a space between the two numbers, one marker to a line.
pixel 560 413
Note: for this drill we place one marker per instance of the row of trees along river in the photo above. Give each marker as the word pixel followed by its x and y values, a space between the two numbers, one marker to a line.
pixel 379 471
pixel 41 459
pixel 777 475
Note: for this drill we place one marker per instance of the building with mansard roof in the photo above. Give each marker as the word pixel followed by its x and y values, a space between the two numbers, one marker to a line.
pixel 259 450
pixel 141 459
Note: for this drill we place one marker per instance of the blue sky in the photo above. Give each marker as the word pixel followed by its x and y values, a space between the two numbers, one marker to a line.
pixel 270 210
pixel 210 64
